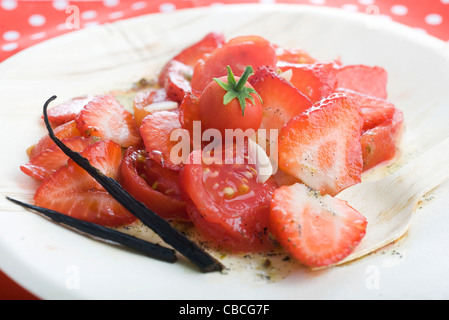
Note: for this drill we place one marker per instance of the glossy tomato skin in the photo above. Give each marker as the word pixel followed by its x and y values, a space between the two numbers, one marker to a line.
pixel 237 53
pixel 227 204
pixel 155 186
pixel 215 115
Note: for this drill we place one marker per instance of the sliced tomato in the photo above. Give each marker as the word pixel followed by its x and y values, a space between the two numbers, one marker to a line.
pixel 145 102
pixel 227 204
pixel 238 53
pixel 156 131
pixel 190 55
pixel 176 74
pixel 382 128
pixel 153 185
pixel 380 143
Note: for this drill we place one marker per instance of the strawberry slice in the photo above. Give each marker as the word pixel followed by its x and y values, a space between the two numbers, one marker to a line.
pixel 156 132
pixel 189 111
pixel 51 159
pixel 190 55
pixel 177 80
pixel 293 55
pixel 316 230
pixel 209 43
pixel 105 118
pixel 316 81
pixel 176 74
pixel 72 191
pixel 321 147
pixel 68 110
pixel 281 101
pixel 371 81
pixel 382 128
pixel 148 101
pixel 65 131
pixel 238 53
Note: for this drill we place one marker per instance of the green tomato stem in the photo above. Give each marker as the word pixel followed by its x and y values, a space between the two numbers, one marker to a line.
pixel 238 90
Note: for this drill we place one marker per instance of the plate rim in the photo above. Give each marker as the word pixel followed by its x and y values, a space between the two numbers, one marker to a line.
pixel 19 275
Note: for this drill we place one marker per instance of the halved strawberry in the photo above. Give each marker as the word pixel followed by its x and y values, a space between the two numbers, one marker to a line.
pixel 371 81
pixel 316 230
pixel 321 147
pixel 51 159
pixel 105 118
pixel 72 191
pixel 316 80
pixel 281 101
pixel 65 131
pixel 238 53
pixel 68 110
pixel 156 132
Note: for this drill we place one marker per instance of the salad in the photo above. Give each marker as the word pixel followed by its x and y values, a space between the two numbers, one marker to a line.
pixel 247 140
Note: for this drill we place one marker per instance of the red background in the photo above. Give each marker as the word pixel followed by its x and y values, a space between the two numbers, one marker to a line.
pixel 25 23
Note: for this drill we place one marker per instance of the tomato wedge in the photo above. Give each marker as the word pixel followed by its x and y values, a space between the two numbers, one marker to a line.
pixel 155 186
pixel 227 204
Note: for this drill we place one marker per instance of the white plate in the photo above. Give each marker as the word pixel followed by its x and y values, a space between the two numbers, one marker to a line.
pixel 55 263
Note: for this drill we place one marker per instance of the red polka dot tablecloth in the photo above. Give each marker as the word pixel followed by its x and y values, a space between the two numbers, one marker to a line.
pixel 24 23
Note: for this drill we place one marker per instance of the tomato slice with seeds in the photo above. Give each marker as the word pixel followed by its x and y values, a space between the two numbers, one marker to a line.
pixel 155 186
pixel 227 204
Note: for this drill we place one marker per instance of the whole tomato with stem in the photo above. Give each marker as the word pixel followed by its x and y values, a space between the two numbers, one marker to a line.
pixel 230 103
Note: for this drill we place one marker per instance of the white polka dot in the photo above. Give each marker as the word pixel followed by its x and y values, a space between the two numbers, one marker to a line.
pixel 9 4
pixel 138 5
pixel 37 36
pixel 111 3
pixel 91 24
pixel 10 46
pixel 116 15
pixel 372 10
pixel 11 35
pixel 385 17
pixel 167 7
pixel 60 4
pixel 350 7
pixel 434 19
pixel 89 15
pixel 445 1
pixel 61 26
pixel 366 2
pixel 399 10
pixel 420 30
pixel 36 20
pixel 317 1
